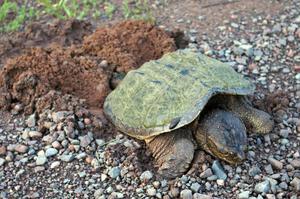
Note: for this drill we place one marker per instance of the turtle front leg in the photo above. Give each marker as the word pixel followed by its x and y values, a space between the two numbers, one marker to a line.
pixel 259 121
pixel 173 152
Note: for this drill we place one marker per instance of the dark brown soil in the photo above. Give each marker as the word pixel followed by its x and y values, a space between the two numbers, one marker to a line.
pixel 78 69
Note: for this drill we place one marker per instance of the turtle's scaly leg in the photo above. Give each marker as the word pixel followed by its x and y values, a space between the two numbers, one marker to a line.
pixel 257 120
pixel 173 152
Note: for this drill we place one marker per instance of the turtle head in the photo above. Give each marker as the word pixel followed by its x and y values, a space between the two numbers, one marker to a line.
pixel 228 146
pixel 223 135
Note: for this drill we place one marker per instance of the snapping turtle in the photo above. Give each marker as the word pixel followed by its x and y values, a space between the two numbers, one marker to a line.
pixel 183 101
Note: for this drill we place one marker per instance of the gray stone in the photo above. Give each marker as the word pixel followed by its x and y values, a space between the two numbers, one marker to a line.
pixel 100 142
pixel 81 155
pixel 297 19
pixel 238 51
pixel 67 157
pixel 284 141
pixel 151 191
pixel 186 194
pixel 64 143
pixel 273 184
pixel 184 178
pixel 201 196
pixel 51 152
pixel 21 148
pixel 296 163
pixel 35 134
pixel 114 172
pixel 255 170
pixel 262 187
pixel 146 176
pixel 218 170
pixel 285 133
pixel 244 195
pixel 282 41
pixel 207 173
pixel 271 196
pixel 49 139
pixel 296 184
pixel 78 190
pixel 290 38
pixel 118 195
pixel 54 164
pixel 103 64
pixel 2 161
pixel 276 28
pixel 174 192
pixel 41 160
pixel 34 195
pixel 286 70
pixel 195 187
pixel 275 163
pixel 31 120
pixel 283 185
pixel 275 176
pixel 59 116
pixel 98 193
pixel 234 25
pixel 56 144
pixel 39 169
pixel 25 134
pixel 3 195
pixel 61 136
pixel 220 182
pixel 156 184
pixel 269 169
pixel 128 144
pixel 85 140
pixel 212 178
pixel 103 177
pixel 258 54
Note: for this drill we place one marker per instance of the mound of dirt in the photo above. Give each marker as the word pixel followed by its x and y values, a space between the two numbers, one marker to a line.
pixel 32 75
pixel 38 77
pixel 129 44
pixel 65 33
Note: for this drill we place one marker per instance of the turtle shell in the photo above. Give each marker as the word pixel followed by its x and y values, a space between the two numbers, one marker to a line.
pixel 168 93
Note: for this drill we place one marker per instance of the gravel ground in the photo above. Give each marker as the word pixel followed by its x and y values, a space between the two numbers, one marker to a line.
pixel 60 154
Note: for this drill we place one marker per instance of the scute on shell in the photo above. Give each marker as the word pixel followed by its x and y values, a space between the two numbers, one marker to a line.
pixel 168 93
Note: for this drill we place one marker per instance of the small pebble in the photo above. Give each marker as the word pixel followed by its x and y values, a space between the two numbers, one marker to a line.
pixel 186 194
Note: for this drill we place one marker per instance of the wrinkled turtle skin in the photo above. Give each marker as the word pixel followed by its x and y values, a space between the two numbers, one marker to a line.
pixel 183 101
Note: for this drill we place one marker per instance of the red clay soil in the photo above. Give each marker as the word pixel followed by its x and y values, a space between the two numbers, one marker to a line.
pixel 129 44
pixel 30 76
pixel 42 34
pixel 78 69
